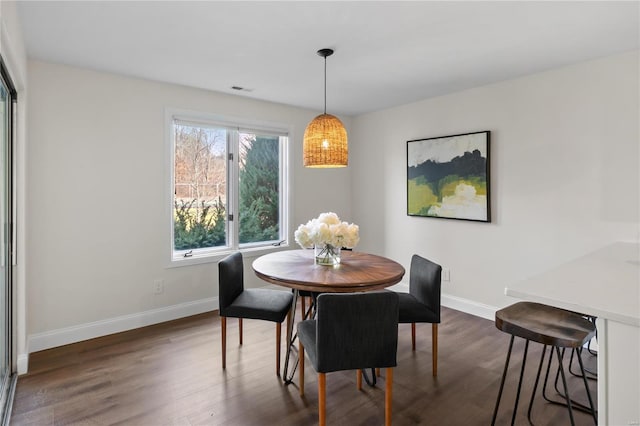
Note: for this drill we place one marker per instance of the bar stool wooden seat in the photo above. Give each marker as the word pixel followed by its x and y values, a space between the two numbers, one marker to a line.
pixel 549 326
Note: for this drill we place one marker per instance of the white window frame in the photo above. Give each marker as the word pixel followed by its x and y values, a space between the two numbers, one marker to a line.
pixel 214 254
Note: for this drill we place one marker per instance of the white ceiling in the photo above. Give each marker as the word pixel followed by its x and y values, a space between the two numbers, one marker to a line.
pixel 387 53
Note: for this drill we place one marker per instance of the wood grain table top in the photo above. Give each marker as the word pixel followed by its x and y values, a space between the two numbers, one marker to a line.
pixel 357 271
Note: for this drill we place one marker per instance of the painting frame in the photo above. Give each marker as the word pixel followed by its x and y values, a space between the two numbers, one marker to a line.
pixel 448 177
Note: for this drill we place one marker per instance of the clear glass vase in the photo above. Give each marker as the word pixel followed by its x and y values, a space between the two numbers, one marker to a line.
pixel 327 255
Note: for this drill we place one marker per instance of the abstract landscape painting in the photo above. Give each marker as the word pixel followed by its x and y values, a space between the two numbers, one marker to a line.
pixel 448 177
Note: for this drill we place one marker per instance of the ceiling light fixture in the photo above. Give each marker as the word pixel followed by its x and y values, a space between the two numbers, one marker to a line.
pixel 325 138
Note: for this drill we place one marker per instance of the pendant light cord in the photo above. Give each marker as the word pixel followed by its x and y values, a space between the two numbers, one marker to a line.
pixel 325 84
pixel 324 53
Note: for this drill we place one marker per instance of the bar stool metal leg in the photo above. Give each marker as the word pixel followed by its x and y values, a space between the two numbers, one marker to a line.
pixel 578 352
pixel 575 404
pixel 535 386
pixel 524 362
pixel 504 376
pixel 555 384
pixel 566 388
pixel 546 378
pixel 586 387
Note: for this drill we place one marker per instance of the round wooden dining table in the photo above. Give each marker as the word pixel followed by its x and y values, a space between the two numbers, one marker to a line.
pixel 356 271
pixel 296 269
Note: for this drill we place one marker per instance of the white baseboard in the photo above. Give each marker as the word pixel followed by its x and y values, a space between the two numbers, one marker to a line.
pixel 65 336
pixel 469 306
pixel 458 303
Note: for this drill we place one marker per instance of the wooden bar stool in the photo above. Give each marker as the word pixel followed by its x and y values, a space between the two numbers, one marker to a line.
pixel 549 326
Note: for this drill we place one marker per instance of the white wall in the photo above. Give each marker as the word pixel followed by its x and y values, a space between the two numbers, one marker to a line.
pixel 96 191
pixel 15 58
pixel 564 175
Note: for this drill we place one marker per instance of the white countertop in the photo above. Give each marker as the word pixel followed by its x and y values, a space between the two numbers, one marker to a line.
pixel 605 283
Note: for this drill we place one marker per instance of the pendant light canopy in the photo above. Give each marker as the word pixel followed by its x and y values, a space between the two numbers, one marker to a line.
pixel 325 138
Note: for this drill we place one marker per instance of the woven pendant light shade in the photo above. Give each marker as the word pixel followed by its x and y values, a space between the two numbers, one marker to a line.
pixel 325 143
pixel 325 138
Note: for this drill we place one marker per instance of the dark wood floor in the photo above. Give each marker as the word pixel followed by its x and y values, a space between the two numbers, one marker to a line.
pixel 170 374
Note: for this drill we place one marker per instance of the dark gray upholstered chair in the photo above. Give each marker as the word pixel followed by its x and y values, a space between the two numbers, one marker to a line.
pixel 422 303
pixel 254 303
pixel 351 331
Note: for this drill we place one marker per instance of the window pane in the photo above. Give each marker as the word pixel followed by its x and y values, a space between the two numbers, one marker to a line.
pixel 259 197
pixel 200 187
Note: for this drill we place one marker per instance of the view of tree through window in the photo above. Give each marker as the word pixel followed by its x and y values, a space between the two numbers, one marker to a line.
pixel 259 179
pixel 202 173
pixel 200 187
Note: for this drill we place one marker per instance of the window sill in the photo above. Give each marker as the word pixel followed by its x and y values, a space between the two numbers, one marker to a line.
pixel 247 253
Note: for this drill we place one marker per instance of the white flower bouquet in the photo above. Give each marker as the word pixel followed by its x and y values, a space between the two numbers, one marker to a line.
pixel 329 234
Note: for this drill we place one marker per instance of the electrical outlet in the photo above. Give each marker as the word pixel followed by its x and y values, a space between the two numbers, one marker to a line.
pixel 446 275
pixel 158 286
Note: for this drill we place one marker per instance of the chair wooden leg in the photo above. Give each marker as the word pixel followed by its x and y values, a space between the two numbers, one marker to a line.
pixel 223 325
pixel 302 307
pixel 388 394
pixel 378 372
pixel 359 379
pixel 240 329
pixel 434 349
pixel 278 344
pixel 413 336
pixel 322 399
pixel 301 374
